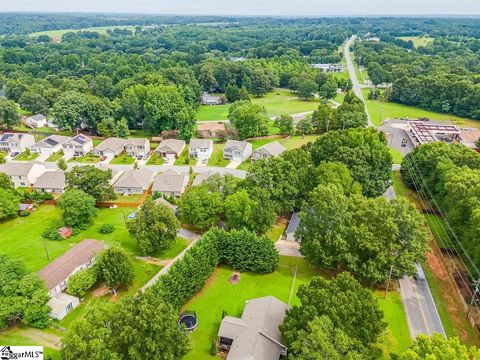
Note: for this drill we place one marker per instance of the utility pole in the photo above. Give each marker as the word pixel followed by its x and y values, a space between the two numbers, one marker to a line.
pixel 46 250
pixel 388 283
pixel 474 297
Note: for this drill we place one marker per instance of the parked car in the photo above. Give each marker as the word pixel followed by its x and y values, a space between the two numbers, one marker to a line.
pixel 14 154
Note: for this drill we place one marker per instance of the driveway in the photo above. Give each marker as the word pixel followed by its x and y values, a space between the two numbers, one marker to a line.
pixel 169 161
pixel 42 157
pixel 233 164
pixel 288 248
pixel 202 162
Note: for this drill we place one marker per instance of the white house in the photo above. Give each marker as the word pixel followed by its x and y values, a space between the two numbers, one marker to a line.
pixel 78 145
pixel 22 174
pixel 49 145
pixel 134 181
pixel 171 183
pixel 16 142
pixel 268 150
pixel 37 121
pixel 51 181
pixel 56 274
pixel 170 148
pixel 137 147
pixel 237 150
pixel 200 148
pixel 110 147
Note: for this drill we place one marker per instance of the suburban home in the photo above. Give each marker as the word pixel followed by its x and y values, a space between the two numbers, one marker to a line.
pixel 162 201
pixel 256 335
pixel 268 150
pixel 210 129
pixel 78 145
pixel 16 142
pixel 49 145
pixel 51 181
pixel 170 148
pixel 208 99
pixel 137 147
pixel 292 227
pixel 134 181
pixel 237 150
pixel 110 147
pixel 200 178
pixel 22 174
pixel 37 121
pixel 200 148
pixel 56 274
pixel 170 183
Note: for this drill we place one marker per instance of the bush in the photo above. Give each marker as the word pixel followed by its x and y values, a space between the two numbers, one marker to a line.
pixel 51 233
pixel 81 281
pixel 36 197
pixel 106 229
pixel 24 213
pixel 213 348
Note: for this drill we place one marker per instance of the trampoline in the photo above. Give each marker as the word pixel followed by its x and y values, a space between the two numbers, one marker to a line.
pixel 188 321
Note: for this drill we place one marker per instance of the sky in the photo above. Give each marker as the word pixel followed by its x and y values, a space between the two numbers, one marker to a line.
pixel 252 7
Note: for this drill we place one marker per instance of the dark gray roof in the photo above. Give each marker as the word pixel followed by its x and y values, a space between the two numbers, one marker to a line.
pixel 37 117
pixel 293 224
pixel 274 148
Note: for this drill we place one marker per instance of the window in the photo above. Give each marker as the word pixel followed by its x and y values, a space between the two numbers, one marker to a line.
pixel 69 308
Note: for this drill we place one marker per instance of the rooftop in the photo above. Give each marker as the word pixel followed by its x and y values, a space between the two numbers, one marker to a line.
pixel 171 144
pixel 52 141
pixel 136 178
pixel 211 126
pixel 170 181
pixel 112 143
pixel 80 139
pixel 200 143
pixel 51 180
pixel 274 148
pixel 18 169
pixel 425 132
pixel 235 143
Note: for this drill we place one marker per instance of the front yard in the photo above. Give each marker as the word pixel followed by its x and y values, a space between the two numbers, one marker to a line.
pixel 87 159
pixel 55 157
pixel 217 156
pixel 122 159
pixel 26 156
pixel 184 158
pixel 155 159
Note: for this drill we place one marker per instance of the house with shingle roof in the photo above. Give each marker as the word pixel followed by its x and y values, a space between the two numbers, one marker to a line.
pixel 16 142
pixel 210 129
pixel 170 183
pixel 237 150
pixel 272 149
pixel 110 147
pixel 22 174
pixel 169 148
pixel 256 335
pixel 292 227
pixel 135 181
pixel 136 147
pixel 200 178
pixel 51 181
pixel 37 121
pixel 200 148
pixel 50 145
pixel 79 145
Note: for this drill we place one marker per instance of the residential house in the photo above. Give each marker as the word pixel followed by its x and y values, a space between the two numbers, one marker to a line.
pixel 169 148
pixel 51 181
pixel 210 129
pixel 56 274
pixel 137 147
pixel 208 99
pixel 36 121
pixel 237 150
pixel 272 149
pixel 292 227
pixel 200 178
pixel 22 174
pixel 16 142
pixel 110 147
pixel 79 145
pixel 49 145
pixel 135 181
pixel 256 335
pixel 170 183
pixel 162 201
pixel 200 148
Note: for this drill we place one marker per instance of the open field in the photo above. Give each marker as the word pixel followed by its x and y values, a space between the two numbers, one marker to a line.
pixel 56 35
pixel 212 112
pixel 418 40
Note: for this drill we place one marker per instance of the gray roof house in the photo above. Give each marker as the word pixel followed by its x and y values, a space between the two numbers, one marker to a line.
pixel 79 145
pixel 237 150
pixel 23 174
pixel 49 145
pixel 110 147
pixel 256 335
pixel 51 181
pixel 208 99
pixel 170 148
pixel 292 227
pixel 171 183
pixel 37 121
pixel 200 148
pixel 136 147
pixel 268 150
pixel 15 142
pixel 134 181
pixel 200 178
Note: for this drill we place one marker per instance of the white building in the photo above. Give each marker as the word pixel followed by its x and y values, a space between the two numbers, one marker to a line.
pixel 22 174
pixel 237 150
pixel 136 147
pixel 78 145
pixel 16 142
pixel 200 148
pixel 110 147
pixel 49 145
pixel 37 121
pixel 272 149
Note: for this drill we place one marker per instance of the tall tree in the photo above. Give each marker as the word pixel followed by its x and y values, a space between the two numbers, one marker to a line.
pixel 9 116
pixel 91 180
pixel 114 267
pixel 200 207
pixel 8 204
pixel 249 119
pixel 78 208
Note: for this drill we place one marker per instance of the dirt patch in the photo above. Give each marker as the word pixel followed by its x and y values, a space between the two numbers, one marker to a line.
pixel 101 291
pixel 41 337
pixel 154 261
pixel 235 278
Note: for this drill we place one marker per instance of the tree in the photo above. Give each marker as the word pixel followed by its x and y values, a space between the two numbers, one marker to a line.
pixel 114 267
pixel 307 88
pixel 154 227
pixel 78 208
pixel 8 203
pixel 68 110
pixel 260 83
pixel 324 118
pixel 249 119
pixel 350 307
pixel 106 127
pixel 305 126
pixel 62 164
pixel 23 296
pixel 285 124
pixel 329 89
pixel 9 116
pixel 337 174
pixel 80 282
pixel 239 209
pixel 91 180
pixel 125 328
pixel 5 182
pixel 121 128
pixel 34 102
pixel 200 207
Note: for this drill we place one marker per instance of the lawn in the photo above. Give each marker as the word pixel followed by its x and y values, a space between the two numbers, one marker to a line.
pixel 343 75
pixel 418 40
pixel 276 231
pixel 184 158
pixel 128 198
pixel 55 157
pixel 123 159
pixel 380 111
pixel 26 156
pixel 295 142
pixel 217 156
pixel 15 336
pixel 396 155
pixel 56 35
pixel 87 159
pixel 155 159
pixel 212 112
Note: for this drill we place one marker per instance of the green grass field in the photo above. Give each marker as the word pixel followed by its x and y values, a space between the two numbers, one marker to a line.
pixel 217 156
pixel 184 158
pixel 56 35
pixel 155 159
pixel 128 198
pixel 418 40
pixel 25 156
pixel 87 159
pixel 55 157
pixel 212 112
pixel 396 155
pixel 123 159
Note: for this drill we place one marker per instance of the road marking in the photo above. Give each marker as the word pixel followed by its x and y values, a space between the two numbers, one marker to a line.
pixel 421 307
pixel 404 303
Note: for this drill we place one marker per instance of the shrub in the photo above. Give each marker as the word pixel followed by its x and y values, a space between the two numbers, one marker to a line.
pixel 106 229
pixel 24 213
pixel 51 233
pixel 213 348
pixel 81 281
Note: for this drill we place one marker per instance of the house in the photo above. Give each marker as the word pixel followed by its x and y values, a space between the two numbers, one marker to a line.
pixel 422 132
pixel 292 227
pixel 16 142
pixel 170 183
pixel 272 149
pixel 7 353
pixel 237 150
pixel 110 147
pixel 56 274
pixel 49 145
pixel 22 174
pixel 200 148
pixel 210 129
pixel 256 335
pixel 328 67
pixel 170 148
pixel 134 181
pixel 200 178
pixel 37 121
pixel 208 99
pixel 162 201
pixel 51 181
pixel 137 147
pixel 79 145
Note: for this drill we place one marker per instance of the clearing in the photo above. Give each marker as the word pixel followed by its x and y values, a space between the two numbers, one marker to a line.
pixel 418 40
pixel 56 35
